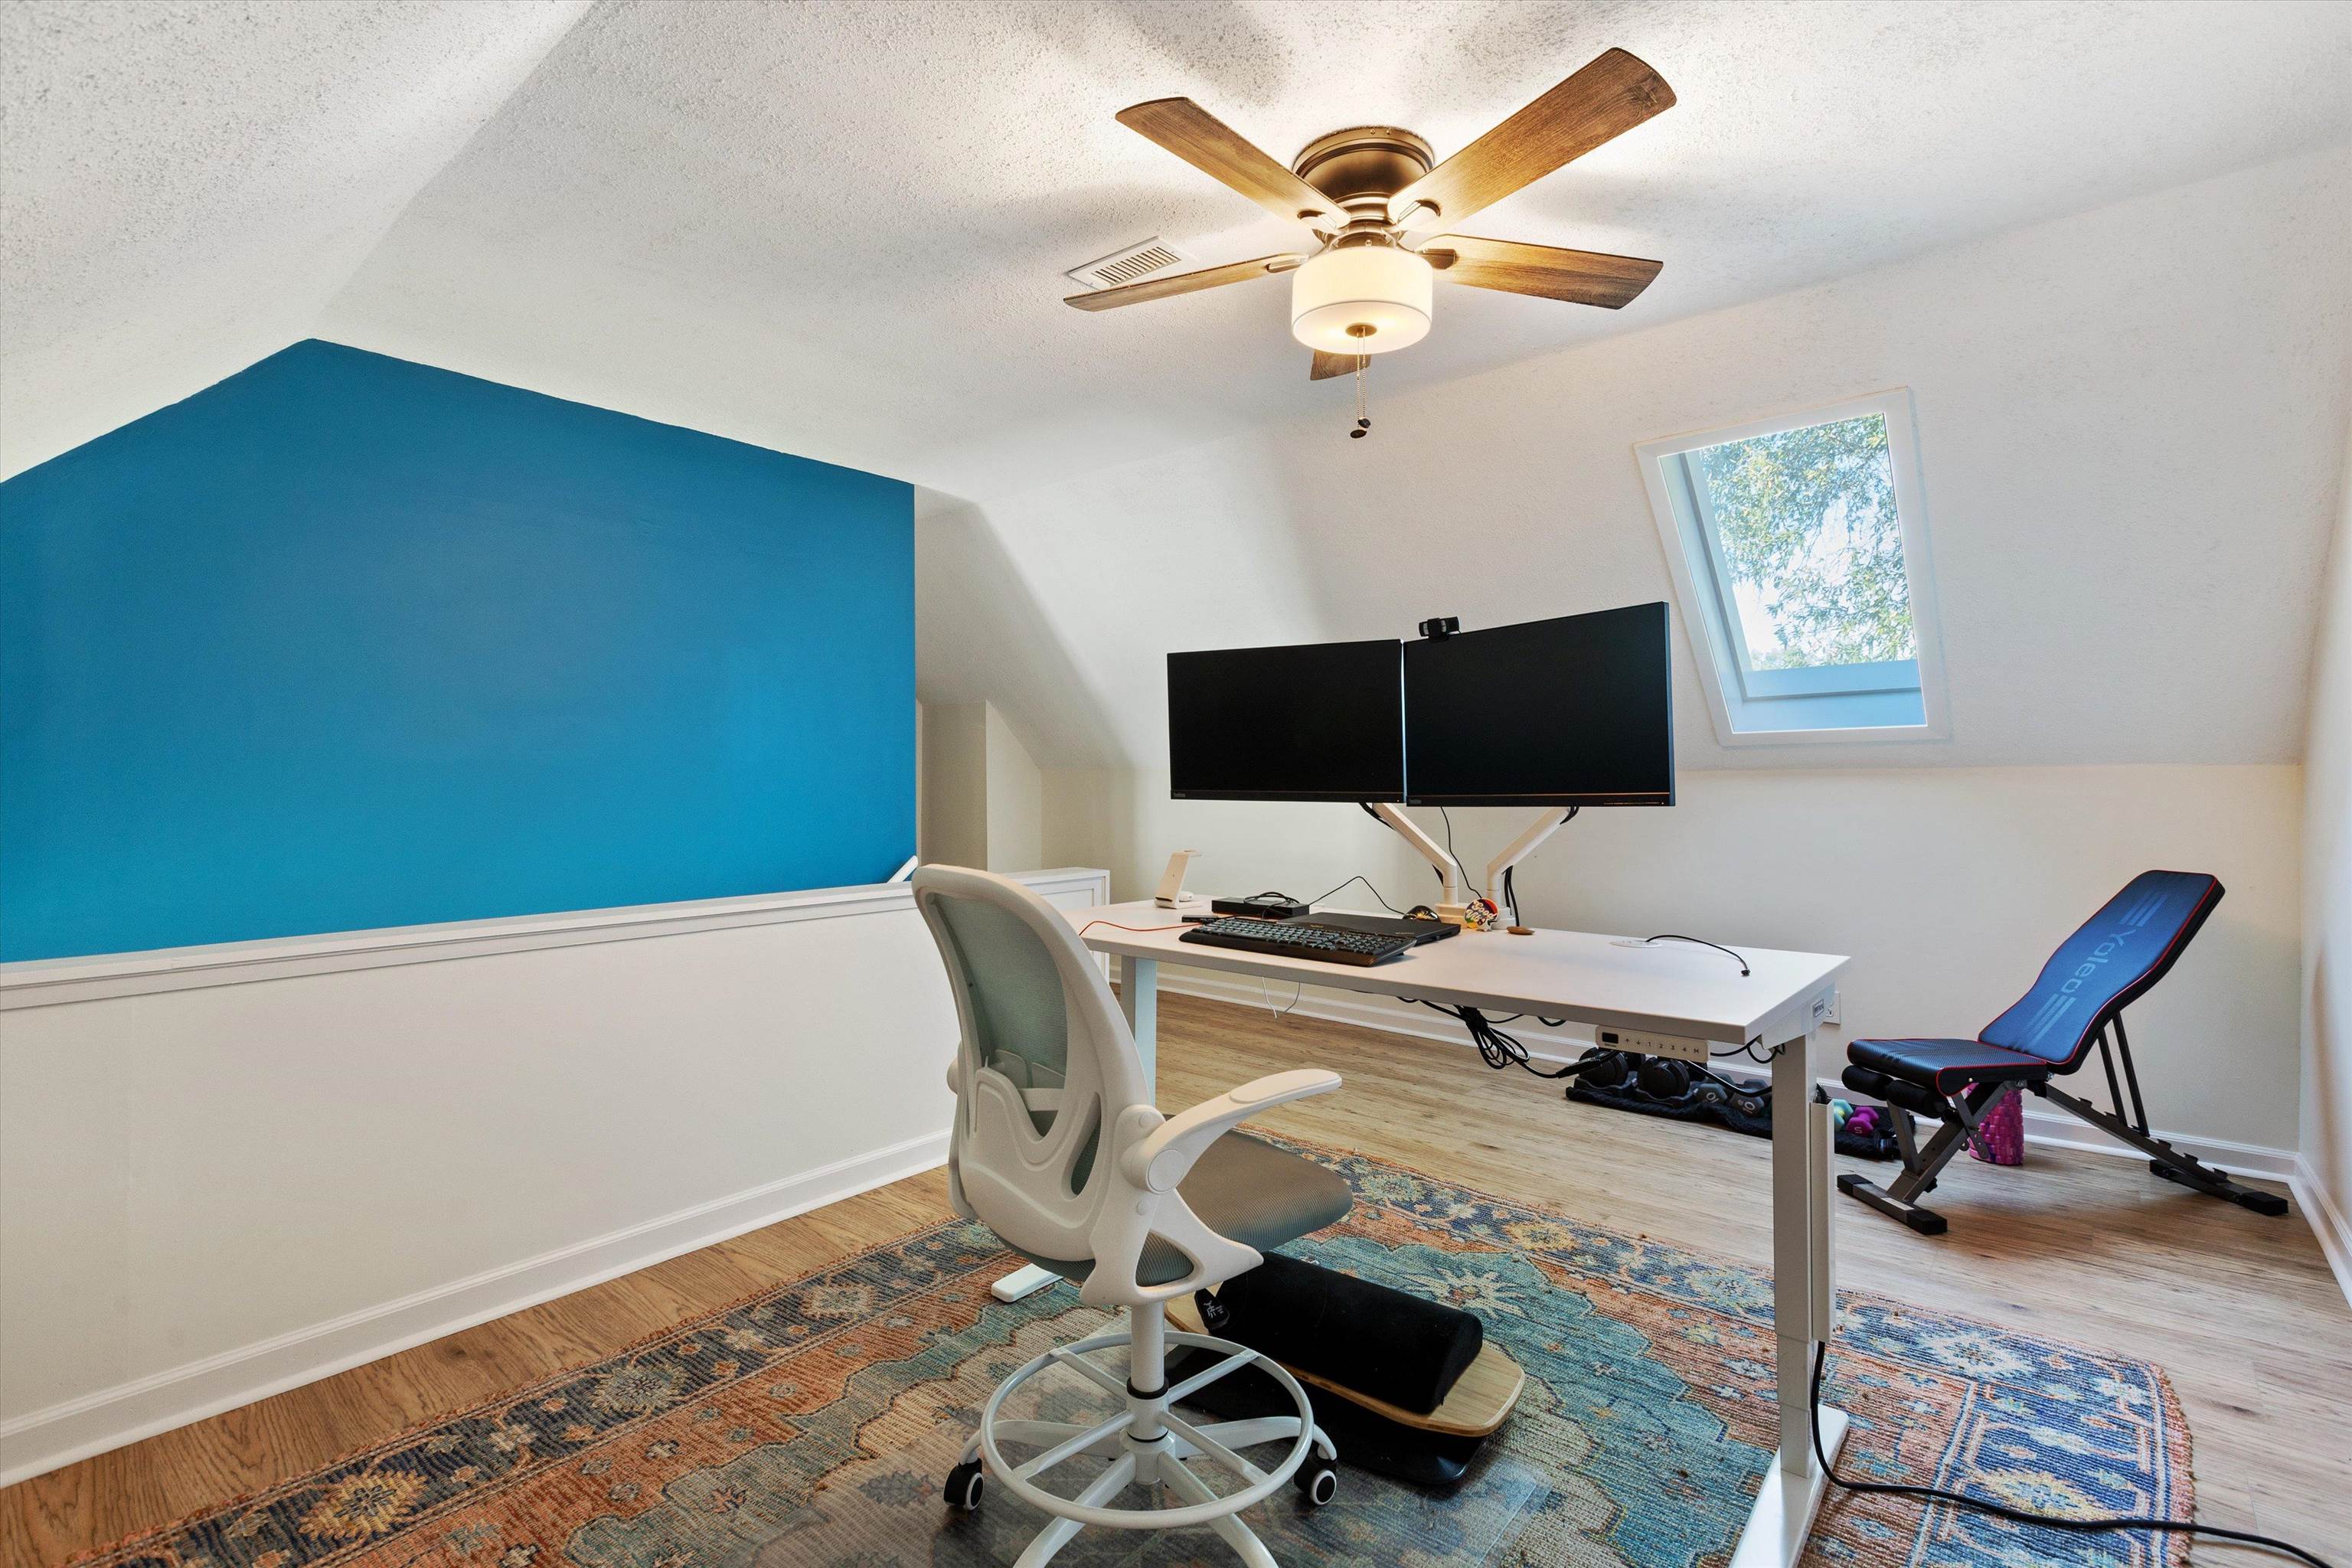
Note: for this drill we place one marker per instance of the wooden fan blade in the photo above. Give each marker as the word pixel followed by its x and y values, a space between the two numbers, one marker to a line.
pixel 1218 151
pixel 1605 99
pixel 1183 283
pixel 1578 277
pixel 1329 365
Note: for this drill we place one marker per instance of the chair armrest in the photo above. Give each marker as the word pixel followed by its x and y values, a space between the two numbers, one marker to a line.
pixel 1159 1162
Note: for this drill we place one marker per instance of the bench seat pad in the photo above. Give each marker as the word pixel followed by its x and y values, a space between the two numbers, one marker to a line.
pixel 1947 1065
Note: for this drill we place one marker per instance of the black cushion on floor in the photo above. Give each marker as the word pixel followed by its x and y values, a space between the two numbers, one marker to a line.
pixel 1395 1347
pixel 1947 1065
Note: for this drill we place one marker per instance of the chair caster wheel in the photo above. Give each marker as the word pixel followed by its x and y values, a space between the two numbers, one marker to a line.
pixel 963 1486
pixel 1318 1483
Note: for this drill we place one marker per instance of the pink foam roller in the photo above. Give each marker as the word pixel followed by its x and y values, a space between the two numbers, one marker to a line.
pixel 1999 1137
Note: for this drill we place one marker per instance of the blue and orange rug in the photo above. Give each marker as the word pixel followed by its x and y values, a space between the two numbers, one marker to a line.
pixel 810 1426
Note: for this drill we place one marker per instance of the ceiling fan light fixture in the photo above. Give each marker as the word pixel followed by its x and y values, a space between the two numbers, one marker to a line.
pixel 1361 299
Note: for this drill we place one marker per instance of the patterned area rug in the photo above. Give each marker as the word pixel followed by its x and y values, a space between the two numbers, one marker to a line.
pixel 810 1426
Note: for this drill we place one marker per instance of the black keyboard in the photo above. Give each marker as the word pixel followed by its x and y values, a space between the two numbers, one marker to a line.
pixel 1301 939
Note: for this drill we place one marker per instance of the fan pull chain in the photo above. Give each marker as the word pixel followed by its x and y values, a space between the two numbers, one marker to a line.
pixel 1363 420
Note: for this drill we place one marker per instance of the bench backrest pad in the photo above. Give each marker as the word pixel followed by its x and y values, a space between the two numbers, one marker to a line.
pixel 2112 961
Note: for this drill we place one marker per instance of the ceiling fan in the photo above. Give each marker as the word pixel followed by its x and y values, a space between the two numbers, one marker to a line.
pixel 1383 211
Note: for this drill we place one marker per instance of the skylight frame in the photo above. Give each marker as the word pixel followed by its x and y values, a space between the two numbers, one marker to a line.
pixel 1840 698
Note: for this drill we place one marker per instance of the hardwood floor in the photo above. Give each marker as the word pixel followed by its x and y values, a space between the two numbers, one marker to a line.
pixel 2240 1310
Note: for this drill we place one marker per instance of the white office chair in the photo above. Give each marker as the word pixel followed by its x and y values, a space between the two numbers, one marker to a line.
pixel 1057 1148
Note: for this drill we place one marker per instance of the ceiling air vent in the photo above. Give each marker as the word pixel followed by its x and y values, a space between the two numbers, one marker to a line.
pixel 1119 267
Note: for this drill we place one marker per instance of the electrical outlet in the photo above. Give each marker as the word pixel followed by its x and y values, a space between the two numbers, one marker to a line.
pixel 1825 1008
pixel 1646 1045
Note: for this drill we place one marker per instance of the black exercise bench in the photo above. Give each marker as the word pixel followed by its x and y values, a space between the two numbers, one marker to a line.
pixel 2114 959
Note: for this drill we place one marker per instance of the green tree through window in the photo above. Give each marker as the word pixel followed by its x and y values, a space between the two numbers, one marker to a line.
pixel 1806 523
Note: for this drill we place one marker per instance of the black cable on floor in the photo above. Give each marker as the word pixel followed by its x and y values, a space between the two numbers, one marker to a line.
pixel 2021 1516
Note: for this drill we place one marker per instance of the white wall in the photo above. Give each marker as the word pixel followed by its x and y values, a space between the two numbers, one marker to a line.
pixel 954 827
pixel 1948 888
pixel 209 1193
pixel 2327 903
pixel 982 637
pixel 1015 799
pixel 982 793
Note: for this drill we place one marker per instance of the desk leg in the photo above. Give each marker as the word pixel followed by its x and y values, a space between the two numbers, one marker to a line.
pixel 1803 1296
pixel 1138 998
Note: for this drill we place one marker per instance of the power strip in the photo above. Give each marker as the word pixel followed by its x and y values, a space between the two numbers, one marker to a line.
pixel 1679 1047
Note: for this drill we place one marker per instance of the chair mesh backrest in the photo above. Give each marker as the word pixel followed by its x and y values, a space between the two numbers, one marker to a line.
pixel 2112 961
pixel 1021 1025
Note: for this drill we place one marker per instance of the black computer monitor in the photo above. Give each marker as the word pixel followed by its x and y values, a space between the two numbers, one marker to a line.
pixel 1315 721
pixel 1574 712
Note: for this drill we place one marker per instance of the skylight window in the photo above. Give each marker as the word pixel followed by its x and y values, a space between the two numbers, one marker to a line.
pixel 1799 552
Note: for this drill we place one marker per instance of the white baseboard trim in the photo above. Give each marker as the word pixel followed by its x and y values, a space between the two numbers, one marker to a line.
pixel 2057 1130
pixel 41 1441
pixel 2328 1222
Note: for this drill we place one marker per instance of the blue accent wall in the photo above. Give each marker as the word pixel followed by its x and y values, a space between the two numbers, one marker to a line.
pixel 346 642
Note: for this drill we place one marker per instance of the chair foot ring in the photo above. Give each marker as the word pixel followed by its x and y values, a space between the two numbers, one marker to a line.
pixel 1085 1513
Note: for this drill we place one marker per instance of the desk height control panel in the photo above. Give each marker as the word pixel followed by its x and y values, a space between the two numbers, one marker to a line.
pixel 1680 1047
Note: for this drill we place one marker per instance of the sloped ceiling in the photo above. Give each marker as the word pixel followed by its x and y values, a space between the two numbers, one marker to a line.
pixel 184 186
pixel 839 229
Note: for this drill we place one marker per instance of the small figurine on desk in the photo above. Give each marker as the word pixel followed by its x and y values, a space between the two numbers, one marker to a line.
pixel 1171 894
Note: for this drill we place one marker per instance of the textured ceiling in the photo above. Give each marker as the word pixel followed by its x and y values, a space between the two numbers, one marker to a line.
pixel 840 228
pixel 184 186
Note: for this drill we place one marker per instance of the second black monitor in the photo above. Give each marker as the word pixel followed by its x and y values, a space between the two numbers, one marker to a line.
pixel 1572 711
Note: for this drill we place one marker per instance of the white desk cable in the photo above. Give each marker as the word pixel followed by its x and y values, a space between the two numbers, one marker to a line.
pixel 1297 990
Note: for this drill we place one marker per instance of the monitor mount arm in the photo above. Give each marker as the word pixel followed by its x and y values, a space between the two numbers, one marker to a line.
pixel 1449 905
pixel 1519 849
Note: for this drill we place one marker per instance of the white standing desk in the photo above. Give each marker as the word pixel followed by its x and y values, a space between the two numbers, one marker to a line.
pixel 1673 988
